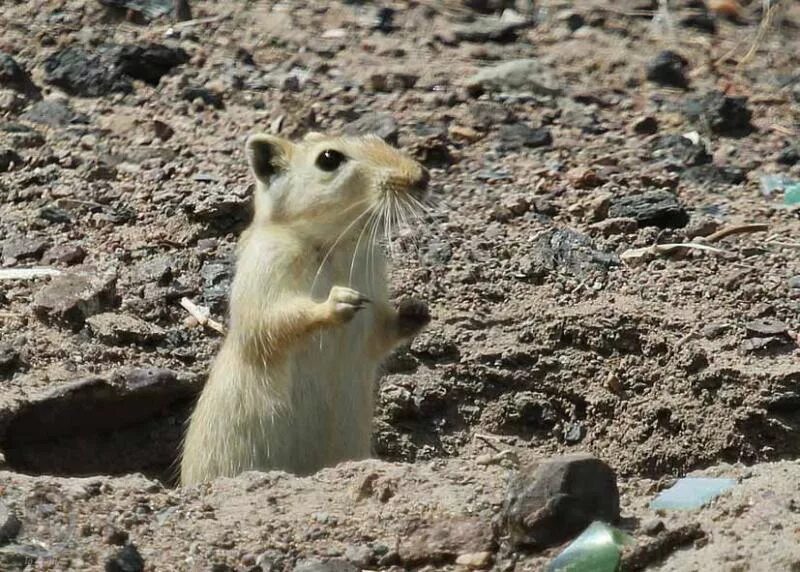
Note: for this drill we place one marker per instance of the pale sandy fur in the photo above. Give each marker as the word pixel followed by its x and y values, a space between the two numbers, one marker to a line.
pixel 293 384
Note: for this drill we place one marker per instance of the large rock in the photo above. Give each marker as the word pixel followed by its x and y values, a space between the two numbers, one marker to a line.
pixel 652 208
pixel 71 298
pixel 111 68
pixel 558 499
pixel 516 76
pixel 723 114
pixel 116 328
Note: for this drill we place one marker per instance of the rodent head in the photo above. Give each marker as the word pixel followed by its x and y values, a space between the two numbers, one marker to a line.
pixel 327 184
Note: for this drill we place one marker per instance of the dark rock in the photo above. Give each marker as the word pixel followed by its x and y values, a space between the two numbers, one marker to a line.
pixel 71 298
pixel 9 524
pixel 55 215
pixel 13 76
pixel 9 361
pixel 574 21
pixel 794 282
pixel 515 76
pixel 8 159
pixel 442 541
pixel 127 559
pixel 558 499
pixel 668 69
pixel 146 63
pixel 766 327
pixel 23 248
pixel 722 114
pixel 652 208
pixel 789 156
pixel 124 329
pixel 80 73
pixel 380 123
pixel 713 175
pixel 384 20
pixel 647 125
pixel 490 29
pixel 53 112
pixel 207 96
pixel 150 9
pixel 111 68
pixel 565 251
pixel 332 565
pixel 20 136
pixel 702 21
pixel 680 151
pixel 518 135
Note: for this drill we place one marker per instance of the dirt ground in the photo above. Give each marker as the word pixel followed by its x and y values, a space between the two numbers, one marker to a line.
pixel 559 137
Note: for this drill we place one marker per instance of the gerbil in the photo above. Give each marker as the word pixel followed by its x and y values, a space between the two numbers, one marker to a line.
pixel 310 321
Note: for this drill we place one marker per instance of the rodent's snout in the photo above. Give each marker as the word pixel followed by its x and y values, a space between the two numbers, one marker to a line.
pixel 419 187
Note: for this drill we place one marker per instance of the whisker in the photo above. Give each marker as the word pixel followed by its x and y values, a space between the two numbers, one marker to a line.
pixel 358 243
pixel 336 242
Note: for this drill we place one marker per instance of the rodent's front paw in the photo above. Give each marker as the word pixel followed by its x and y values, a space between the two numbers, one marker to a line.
pixel 412 316
pixel 345 302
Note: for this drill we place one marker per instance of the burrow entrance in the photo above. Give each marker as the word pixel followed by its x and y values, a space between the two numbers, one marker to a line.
pixel 126 423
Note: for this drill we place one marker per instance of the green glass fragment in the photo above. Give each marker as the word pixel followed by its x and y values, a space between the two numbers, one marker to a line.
pixel 597 549
pixel 791 194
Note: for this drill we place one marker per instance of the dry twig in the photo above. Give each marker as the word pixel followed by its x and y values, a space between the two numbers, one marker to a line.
pixel 202 315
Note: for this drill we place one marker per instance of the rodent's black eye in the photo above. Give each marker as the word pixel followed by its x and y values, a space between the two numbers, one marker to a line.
pixel 330 160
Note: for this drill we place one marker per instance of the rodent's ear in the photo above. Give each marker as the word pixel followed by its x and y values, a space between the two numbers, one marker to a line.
pixel 268 155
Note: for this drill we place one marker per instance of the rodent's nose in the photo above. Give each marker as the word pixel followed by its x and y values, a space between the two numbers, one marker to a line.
pixel 420 185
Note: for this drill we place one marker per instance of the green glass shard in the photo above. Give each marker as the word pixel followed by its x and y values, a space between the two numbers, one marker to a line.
pixel 597 549
pixel 791 194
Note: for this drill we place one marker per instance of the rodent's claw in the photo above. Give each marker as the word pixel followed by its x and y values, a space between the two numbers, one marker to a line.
pixel 345 302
